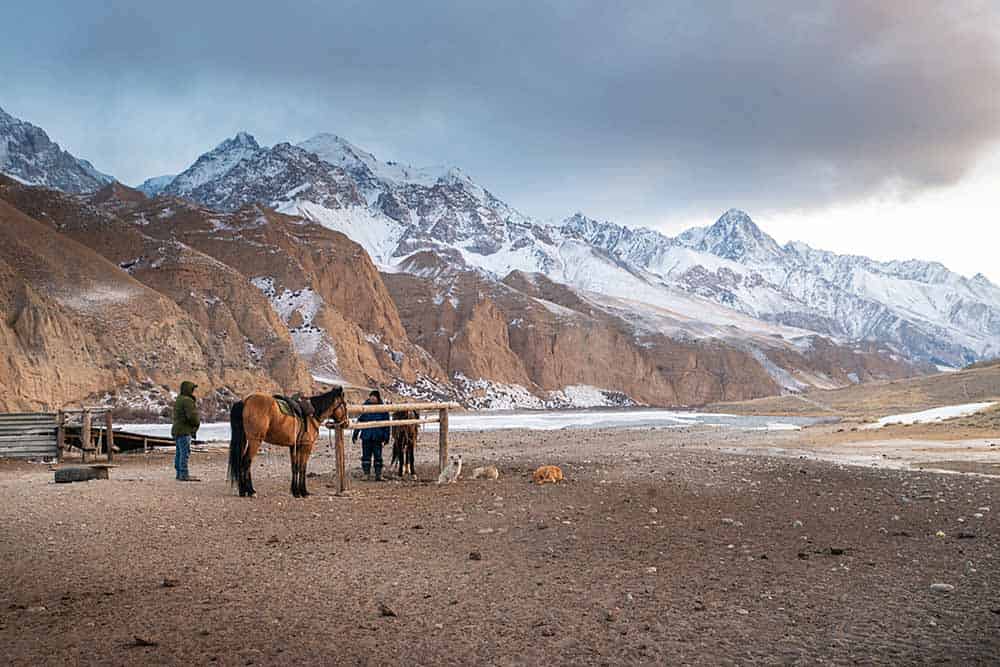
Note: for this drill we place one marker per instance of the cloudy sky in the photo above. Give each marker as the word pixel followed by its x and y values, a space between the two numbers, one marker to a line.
pixel 865 127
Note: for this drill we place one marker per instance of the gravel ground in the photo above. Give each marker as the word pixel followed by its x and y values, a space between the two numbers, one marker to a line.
pixel 659 549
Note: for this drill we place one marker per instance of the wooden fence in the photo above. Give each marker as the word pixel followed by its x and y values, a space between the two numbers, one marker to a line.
pixel 355 410
pixel 29 435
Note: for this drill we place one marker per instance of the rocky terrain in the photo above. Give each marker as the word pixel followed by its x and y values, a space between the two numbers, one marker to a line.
pixel 658 549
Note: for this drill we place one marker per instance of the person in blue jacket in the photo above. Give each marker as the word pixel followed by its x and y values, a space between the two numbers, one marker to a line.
pixel 372 439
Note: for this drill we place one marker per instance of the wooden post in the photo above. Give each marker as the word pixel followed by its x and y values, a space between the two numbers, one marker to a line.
pixel 85 434
pixel 342 478
pixel 110 440
pixel 442 439
pixel 60 435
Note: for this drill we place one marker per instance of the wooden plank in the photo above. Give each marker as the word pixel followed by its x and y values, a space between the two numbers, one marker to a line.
pixel 110 442
pixel 341 462
pixel 442 439
pixel 361 426
pixel 399 407
pixel 51 435
pixel 85 443
pixel 61 436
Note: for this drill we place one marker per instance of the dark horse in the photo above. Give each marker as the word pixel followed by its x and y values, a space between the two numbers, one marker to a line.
pixel 258 419
pixel 404 440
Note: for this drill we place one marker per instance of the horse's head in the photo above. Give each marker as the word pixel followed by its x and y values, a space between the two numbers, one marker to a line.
pixel 330 406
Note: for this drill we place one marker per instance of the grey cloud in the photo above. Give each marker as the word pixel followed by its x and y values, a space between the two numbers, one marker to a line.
pixel 635 111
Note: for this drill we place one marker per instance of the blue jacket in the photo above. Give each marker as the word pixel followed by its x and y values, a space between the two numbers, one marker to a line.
pixel 377 435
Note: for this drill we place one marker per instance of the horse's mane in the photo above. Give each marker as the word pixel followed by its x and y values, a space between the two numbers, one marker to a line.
pixel 323 402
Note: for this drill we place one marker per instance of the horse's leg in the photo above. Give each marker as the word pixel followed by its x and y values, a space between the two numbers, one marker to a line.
pixel 303 467
pixel 253 446
pixel 410 455
pixel 293 454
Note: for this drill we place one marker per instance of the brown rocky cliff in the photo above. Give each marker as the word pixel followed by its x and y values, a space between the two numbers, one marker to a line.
pixel 357 313
pixel 73 324
pixel 247 347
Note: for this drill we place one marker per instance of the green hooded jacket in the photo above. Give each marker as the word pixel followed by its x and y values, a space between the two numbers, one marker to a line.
pixel 186 421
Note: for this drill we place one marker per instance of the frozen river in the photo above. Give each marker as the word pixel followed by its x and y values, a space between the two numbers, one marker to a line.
pixel 554 420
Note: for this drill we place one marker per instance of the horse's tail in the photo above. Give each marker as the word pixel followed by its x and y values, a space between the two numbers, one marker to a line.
pixel 237 442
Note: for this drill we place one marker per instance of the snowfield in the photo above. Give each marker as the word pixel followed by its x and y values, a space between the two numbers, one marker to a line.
pixel 931 416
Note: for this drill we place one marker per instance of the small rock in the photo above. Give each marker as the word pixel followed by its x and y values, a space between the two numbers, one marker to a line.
pixel 653 510
pixel 651 570
pixel 966 535
pixel 37 609
pixel 475 555
pixel 439 626
pixel 138 642
pixel 170 583
pixel 484 531
pixel 978 515
pixel 548 632
pixel 612 615
pixel 386 610
pixel 940 533
pixel 742 612
pixel 272 540
pixel 796 524
pixel 629 597
pixel 942 588
pixel 836 551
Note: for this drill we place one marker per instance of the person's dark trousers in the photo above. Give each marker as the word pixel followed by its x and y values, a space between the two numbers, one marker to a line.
pixel 182 451
pixel 371 450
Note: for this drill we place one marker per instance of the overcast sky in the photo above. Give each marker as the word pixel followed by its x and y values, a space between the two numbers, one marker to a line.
pixel 865 127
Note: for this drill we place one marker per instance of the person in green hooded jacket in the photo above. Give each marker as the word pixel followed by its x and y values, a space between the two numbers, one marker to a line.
pixel 185 429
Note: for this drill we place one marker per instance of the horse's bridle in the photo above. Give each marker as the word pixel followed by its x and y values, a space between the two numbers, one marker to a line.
pixel 343 423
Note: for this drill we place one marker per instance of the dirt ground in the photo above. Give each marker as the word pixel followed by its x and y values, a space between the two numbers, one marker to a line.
pixel 661 548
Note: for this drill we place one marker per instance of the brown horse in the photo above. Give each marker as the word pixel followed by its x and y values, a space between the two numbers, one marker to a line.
pixel 257 419
pixel 404 440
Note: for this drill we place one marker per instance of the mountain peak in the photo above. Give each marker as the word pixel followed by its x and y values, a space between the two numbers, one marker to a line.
pixel 28 154
pixel 981 279
pixel 733 236
pixel 213 164
pixel 240 140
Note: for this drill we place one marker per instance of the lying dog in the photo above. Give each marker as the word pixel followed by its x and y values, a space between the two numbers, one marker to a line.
pixel 548 474
pixel 485 472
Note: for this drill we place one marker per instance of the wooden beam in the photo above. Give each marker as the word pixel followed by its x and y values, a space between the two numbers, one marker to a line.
pixel 60 435
pixel 110 440
pixel 399 407
pixel 85 435
pixel 341 462
pixel 361 426
pixel 442 439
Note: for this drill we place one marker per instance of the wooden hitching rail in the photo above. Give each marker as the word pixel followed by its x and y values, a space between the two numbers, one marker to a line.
pixel 441 420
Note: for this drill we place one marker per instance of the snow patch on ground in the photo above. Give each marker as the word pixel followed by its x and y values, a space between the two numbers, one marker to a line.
pixel 931 416
pixel 483 394
pixel 586 396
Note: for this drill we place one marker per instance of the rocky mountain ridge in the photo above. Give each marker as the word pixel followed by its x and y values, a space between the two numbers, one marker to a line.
pixel 376 273
pixel 29 156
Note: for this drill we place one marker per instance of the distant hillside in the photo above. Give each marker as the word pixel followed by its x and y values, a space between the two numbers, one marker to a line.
pixel 879 399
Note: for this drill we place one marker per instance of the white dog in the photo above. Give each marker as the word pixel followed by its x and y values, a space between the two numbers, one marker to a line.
pixel 485 472
pixel 452 471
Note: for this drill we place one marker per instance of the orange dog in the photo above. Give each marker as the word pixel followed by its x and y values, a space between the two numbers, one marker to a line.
pixel 548 474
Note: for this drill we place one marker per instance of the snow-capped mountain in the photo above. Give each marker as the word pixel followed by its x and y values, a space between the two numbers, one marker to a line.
pixel 714 281
pixel 921 308
pixel 28 155
pixel 154 186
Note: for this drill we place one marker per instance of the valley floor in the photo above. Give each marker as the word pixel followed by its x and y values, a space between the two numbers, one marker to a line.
pixel 665 546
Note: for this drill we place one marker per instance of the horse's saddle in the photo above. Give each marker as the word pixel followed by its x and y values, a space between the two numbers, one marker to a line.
pixel 294 406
